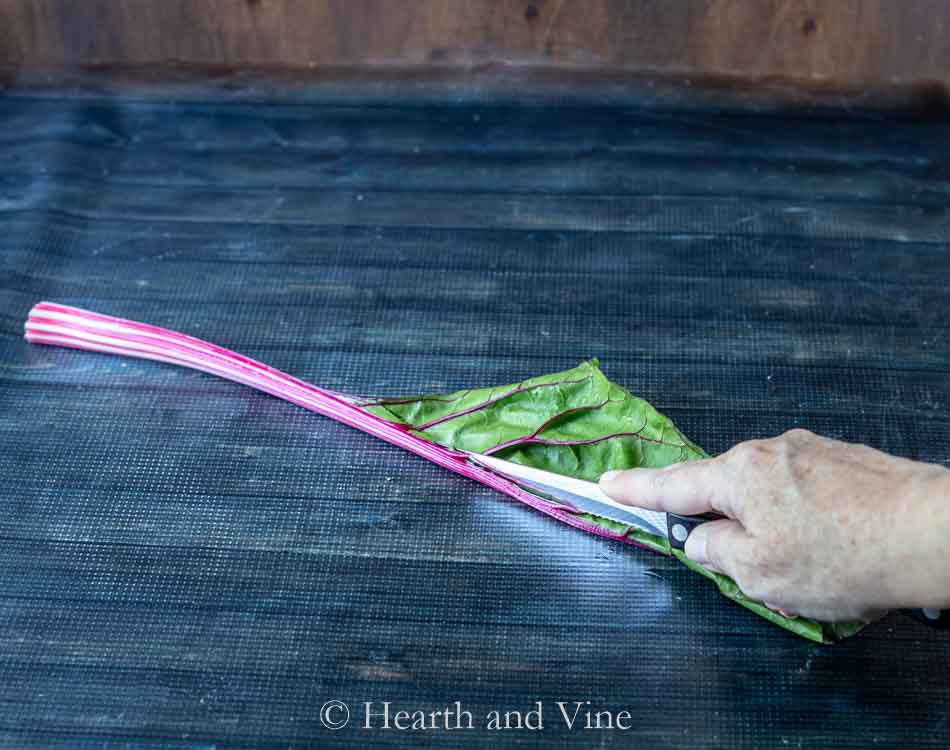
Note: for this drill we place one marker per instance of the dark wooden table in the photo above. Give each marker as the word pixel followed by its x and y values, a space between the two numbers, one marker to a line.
pixel 187 563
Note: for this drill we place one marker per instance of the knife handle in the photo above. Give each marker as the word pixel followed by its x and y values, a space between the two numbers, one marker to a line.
pixel 937 618
pixel 678 528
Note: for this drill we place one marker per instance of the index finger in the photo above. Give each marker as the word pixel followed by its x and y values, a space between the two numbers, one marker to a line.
pixel 689 488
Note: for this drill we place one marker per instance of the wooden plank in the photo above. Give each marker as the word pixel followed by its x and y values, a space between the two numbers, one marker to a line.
pixel 763 218
pixel 798 181
pixel 409 128
pixel 558 252
pixel 498 291
pixel 843 44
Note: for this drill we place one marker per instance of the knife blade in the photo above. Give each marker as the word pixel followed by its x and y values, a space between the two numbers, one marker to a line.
pixel 577 494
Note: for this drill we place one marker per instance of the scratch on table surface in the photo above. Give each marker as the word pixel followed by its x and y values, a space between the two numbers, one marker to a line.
pixel 809 660
pixel 379 672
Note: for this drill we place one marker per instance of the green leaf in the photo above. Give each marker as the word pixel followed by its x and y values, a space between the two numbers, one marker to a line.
pixel 579 424
pixel 574 422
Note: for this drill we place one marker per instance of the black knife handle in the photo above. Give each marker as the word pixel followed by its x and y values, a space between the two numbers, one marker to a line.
pixel 678 528
pixel 938 618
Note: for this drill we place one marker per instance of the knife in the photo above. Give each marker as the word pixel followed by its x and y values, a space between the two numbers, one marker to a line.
pixel 586 497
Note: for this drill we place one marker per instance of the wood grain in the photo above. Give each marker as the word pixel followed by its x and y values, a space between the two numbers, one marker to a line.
pixel 847 45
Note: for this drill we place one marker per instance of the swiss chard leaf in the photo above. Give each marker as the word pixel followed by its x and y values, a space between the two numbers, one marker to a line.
pixel 574 422
pixel 579 424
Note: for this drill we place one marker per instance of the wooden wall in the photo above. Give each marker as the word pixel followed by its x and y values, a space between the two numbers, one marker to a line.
pixel 845 43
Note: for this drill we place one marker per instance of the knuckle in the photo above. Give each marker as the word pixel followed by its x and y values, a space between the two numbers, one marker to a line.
pixel 795 450
pixel 659 481
pixel 799 435
pixel 739 452
pixel 750 452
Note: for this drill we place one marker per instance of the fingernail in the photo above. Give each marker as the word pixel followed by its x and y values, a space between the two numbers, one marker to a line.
pixel 609 476
pixel 695 547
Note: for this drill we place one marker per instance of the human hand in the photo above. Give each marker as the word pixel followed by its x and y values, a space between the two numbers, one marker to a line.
pixel 815 527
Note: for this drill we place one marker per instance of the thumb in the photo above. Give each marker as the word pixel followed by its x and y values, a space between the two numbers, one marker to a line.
pixel 718 545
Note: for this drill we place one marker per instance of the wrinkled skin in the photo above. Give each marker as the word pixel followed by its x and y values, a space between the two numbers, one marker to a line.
pixel 815 527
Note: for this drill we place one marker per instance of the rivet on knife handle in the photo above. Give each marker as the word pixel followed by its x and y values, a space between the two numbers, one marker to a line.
pixel 938 618
pixel 678 528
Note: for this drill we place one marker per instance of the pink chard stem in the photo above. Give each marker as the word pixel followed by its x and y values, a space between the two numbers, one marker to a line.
pixel 71 327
